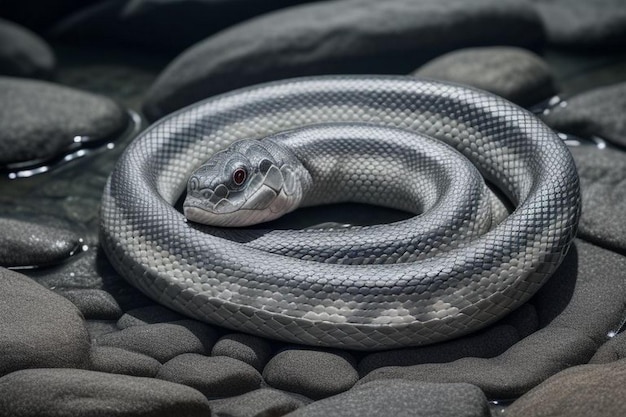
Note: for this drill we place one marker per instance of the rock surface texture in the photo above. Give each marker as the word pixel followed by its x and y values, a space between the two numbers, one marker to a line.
pixel 23 53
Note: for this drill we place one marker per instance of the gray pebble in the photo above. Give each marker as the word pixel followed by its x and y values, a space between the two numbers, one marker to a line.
pixel 513 73
pixel 315 374
pixel 250 349
pixel 38 328
pixel 74 392
pixel 402 398
pixel 334 37
pixel 151 314
pixel 215 377
pixel 97 328
pixel 120 361
pixel 163 341
pixel 95 304
pixel 262 402
pixel 41 120
pixel 614 349
pixel 23 53
pixel 24 243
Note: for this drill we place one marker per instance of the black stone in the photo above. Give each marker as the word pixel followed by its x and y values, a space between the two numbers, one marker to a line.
pixel 38 328
pixel 252 350
pixel 74 392
pixel 95 304
pixel 120 361
pixel 315 374
pixel 513 73
pixel 151 314
pixel 39 14
pixel 163 341
pixel 215 377
pixel 41 120
pixel 23 53
pixel 599 112
pixel 333 37
pixel 581 391
pixel 401 398
pixel 258 403
pixel 25 243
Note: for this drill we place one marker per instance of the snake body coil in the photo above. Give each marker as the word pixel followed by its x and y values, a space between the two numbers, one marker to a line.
pixel 331 290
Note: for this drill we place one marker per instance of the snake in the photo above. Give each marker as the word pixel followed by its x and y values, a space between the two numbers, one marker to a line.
pixel 444 153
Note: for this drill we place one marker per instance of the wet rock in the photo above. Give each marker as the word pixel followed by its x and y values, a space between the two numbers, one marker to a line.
pixel 38 328
pixel 334 37
pixel 578 24
pixel 140 23
pixel 316 374
pixel 402 398
pixel 252 350
pixel 599 112
pixel 215 377
pixel 602 176
pixel 257 403
pixel 148 315
pixel 74 392
pixel 24 54
pixel 163 341
pixel 120 361
pixel 612 350
pixel 576 308
pixel 95 304
pixel 41 120
pixel 586 390
pixel 24 243
pixel 513 73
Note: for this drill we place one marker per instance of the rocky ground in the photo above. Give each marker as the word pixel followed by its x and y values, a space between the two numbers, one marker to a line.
pixel 78 80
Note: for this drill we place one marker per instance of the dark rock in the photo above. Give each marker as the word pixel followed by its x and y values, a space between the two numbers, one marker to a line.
pixel 140 23
pixel 599 112
pixel 97 328
pixel 39 14
pixel 577 307
pixel 74 392
pixel 586 390
pixel 25 243
pixel 316 374
pixel 120 361
pixel 41 120
pixel 252 350
pixel 602 176
pixel 163 341
pixel 151 314
pixel 95 304
pixel 215 377
pixel 258 403
pixel 331 37
pixel 24 54
pixel 38 328
pixel 401 398
pixel 613 350
pixel 583 24
pixel 513 73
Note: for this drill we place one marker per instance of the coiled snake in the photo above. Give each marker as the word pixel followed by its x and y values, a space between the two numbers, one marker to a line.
pixel 408 283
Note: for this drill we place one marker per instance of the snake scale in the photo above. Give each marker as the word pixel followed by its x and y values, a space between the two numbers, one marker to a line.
pixel 365 288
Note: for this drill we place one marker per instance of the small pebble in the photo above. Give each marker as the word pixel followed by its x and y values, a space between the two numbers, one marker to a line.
pixel 120 361
pixel 252 350
pixel 95 304
pixel 262 402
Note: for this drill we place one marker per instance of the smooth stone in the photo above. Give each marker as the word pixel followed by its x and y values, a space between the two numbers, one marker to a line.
pixel 95 304
pixel 602 176
pixel 41 120
pixel 38 328
pixel 121 361
pixel 614 349
pixel 262 402
pixel 598 112
pixel 576 308
pixel 140 22
pixel 215 377
pixel 74 392
pixel 401 398
pixel 150 314
pixel 313 373
pixel 335 37
pixel 581 391
pixel 25 243
pixel 163 341
pixel 252 350
pixel 584 24
pixel 23 53
pixel 516 74
pixel 97 328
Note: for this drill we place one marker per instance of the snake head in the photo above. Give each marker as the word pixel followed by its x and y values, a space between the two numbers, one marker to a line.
pixel 250 182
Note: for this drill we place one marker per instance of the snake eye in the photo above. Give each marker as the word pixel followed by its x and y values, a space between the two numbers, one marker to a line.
pixel 239 176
